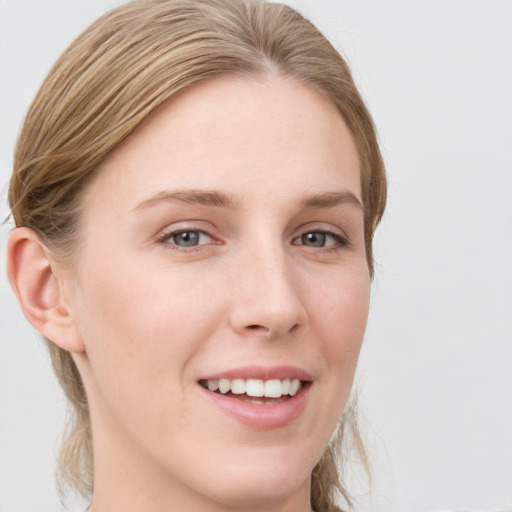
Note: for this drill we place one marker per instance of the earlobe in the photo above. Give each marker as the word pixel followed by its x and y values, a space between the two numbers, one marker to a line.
pixel 33 278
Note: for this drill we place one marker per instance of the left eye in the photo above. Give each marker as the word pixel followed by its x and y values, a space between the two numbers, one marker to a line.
pixel 188 238
pixel 318 239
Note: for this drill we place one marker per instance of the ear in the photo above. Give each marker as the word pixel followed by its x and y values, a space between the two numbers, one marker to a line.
pixel 34 278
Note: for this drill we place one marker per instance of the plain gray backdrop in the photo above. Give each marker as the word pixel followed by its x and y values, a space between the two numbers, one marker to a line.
pixel 435 374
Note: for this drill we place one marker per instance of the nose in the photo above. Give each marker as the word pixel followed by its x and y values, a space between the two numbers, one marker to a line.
pixel 268 300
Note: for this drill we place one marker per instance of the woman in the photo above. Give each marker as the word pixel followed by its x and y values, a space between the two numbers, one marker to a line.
pixel 195 192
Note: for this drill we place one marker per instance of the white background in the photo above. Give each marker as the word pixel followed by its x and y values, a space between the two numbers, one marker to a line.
pixel 435 375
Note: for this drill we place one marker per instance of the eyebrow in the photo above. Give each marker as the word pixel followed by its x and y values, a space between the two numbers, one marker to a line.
pixel 330 200
pixel 224 200
pixel 202 197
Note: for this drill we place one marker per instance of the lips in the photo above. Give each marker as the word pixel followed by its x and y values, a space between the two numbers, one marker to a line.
pixel 261 398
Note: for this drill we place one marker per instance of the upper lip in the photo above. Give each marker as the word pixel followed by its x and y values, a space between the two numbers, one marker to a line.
pixel 261 372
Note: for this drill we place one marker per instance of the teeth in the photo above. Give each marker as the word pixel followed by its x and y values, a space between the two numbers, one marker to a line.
pixel 273 388
pixel 294 387
pixel 255 387
pixel 238 386
pixel 213 385
pixel 224 385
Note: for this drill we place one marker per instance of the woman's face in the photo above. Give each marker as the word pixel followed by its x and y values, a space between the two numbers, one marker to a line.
pixel 222 246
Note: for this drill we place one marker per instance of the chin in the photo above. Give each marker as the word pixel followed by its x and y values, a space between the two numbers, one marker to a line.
pixel 262 493
pixel 261 483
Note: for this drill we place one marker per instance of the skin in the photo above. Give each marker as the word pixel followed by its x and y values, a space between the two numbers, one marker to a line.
pixel 147 318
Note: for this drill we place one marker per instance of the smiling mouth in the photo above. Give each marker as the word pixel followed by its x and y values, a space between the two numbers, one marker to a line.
pixel 256 391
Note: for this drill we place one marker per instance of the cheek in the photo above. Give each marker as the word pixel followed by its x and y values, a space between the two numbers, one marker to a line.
pixel 340 318
pixel 140 330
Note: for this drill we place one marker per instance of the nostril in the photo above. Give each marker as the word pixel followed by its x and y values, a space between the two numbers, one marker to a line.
pixel 295 328
pixel 255 327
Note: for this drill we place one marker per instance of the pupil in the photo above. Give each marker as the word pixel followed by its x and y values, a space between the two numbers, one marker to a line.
pixel 314 239
pixel 187 238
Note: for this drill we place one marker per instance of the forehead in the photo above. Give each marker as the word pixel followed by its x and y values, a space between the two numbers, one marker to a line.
pixel 235 132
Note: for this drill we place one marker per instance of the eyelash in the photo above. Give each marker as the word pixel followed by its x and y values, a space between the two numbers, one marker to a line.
pixel 340 240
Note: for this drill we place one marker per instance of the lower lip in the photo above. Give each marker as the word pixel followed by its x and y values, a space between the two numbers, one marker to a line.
pixel 261 416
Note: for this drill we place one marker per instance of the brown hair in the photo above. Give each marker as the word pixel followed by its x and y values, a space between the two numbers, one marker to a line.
pixel 108 81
